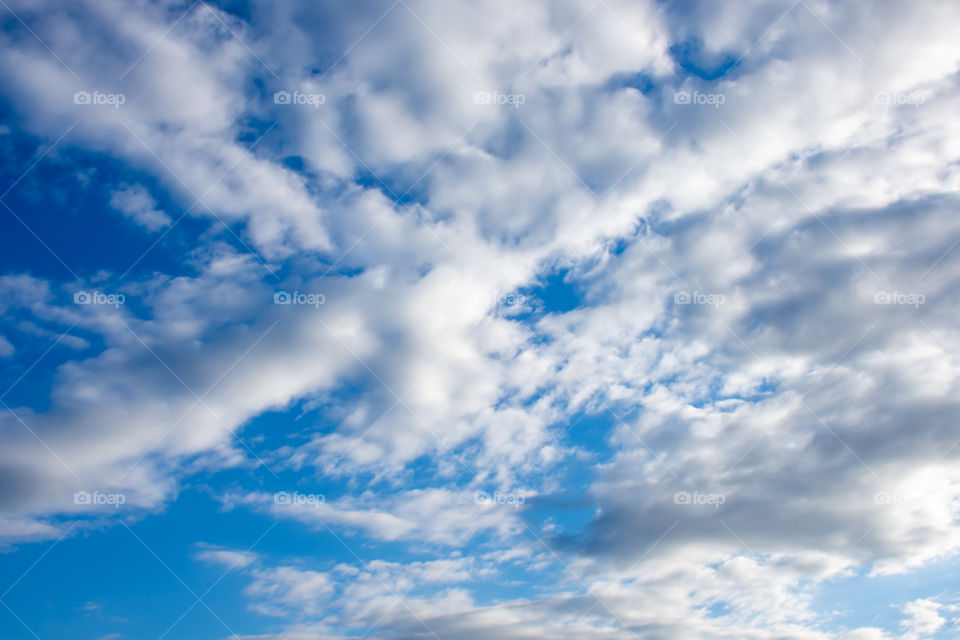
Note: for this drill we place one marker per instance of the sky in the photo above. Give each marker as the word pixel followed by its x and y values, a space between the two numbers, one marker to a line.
pixel 421 319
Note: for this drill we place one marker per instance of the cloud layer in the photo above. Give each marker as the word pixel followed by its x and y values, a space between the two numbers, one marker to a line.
pixel 610 320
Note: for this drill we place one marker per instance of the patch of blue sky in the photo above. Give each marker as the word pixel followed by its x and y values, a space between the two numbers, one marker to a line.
pixel 862 600
pixel 30 372
pixel 556 292
pixel 692 59
pixel 713 395
pixel 65 200
pixel 396 190
pixel 105 580
pixel 719 609
pixel 645 83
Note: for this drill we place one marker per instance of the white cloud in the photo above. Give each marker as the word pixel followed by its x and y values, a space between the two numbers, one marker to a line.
pixel 6 349
pixel 227 558
pixel 924 618
pixel 431 515
pixel 136 203
pixel 284 588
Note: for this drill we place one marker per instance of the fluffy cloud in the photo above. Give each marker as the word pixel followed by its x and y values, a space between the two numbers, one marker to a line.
pixel 924 618
pixel 135 203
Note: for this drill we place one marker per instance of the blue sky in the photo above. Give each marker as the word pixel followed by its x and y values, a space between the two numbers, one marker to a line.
pixel 413 319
